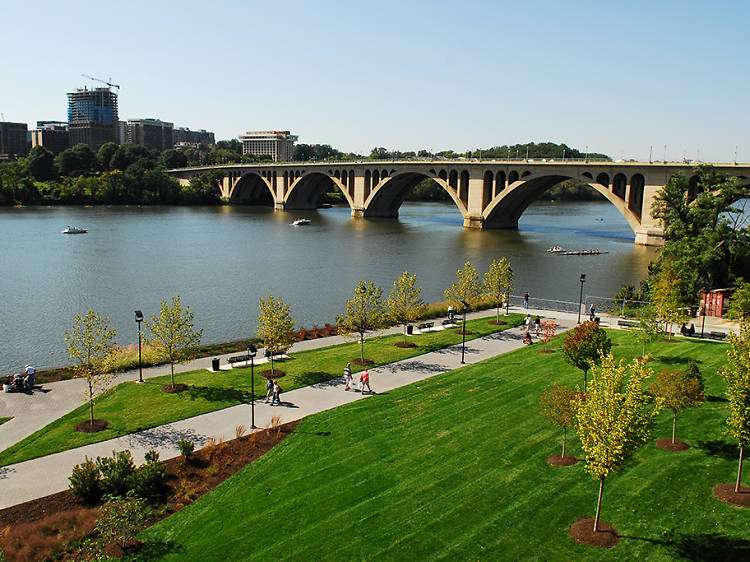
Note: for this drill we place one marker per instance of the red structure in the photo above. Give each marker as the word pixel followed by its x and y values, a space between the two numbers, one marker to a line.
pixel 718 302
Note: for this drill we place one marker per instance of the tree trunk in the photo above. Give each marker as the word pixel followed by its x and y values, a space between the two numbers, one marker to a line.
pixel 271 358
pixel 404 333
pixel 739 470
pixel 585 377
pixel 598 505
pixel 172 366
pixel 674 425
pixel 498 314
pixel 91 402
pixel 362 348
pixel 565 435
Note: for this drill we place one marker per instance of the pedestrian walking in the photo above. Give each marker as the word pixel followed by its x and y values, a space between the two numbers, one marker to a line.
pixel 450 314
pixel 348 376
pixel 526 296
pixel 527 322
pixel 276 400
pixel 592 312
pixel 364 380
pixel 538 325
pixel 269 390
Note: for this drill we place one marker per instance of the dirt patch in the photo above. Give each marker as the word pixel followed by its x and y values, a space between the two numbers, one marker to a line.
pixel 363 362
pixel 276 374
pixel 186 482
pixel 559 460
pixel 176 389
pixel 547 350
pixel 582 531
pixel 405 344
pixel 667 340
pixel 497 322
pixel 640 358
pixel 87 427
pixel 677 447
pixel 726 493
pixel 467 332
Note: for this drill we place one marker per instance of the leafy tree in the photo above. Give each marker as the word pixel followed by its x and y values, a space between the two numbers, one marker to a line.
pixel 556 405
pixel 466 288
pixel 89 345
pixel 172 333
pixel 739 306
pixel 614 418
pixel 40 164
pixel 549 327
pixel 667 298
pixel 694 373
pixel 584 347
pixel 679 391
pixel 736 375
pixel 76 161
pixel 275 325
pixel 647 329
pixel 365 312
pixel 104 156
pixel 121 519
pixel 404 303
pixel 498 282
pixel 172 158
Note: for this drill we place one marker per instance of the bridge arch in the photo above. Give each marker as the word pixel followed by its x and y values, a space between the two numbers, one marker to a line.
pixel 305 191
pixel 387 197
pixel 506 208
pixel 251 189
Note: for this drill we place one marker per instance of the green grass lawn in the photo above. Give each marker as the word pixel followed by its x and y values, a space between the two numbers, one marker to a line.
pixel 131 407
pixel 454 468
pixel 5 419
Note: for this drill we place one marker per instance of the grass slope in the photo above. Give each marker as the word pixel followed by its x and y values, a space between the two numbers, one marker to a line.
pixel 454 468
pixel 132 407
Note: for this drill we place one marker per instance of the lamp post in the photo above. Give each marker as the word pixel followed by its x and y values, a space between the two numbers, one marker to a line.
pixel 251 351
pixel 463 332
pixel 139 319
pixel 705 305
pixel 507 292
pixel 580 298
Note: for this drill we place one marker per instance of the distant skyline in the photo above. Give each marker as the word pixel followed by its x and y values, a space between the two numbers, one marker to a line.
pixel 616 77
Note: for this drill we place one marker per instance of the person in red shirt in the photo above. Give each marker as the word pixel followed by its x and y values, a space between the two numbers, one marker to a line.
pixel 364 380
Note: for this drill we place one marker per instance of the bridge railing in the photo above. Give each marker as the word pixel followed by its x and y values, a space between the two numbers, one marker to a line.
pixel 613 308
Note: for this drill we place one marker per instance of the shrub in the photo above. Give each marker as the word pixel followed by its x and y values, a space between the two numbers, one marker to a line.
pixel 85 481
pixel 239 431
pixel 117 472
pixel 302 334
pixel 693 372
pixel 148 481
pixel 315 332
pixel 120 520
pixel 186 448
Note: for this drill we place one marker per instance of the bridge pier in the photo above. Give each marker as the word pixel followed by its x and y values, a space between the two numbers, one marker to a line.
pixel 653 236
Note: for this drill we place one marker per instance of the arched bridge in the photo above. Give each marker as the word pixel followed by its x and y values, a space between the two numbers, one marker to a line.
pixel 489 194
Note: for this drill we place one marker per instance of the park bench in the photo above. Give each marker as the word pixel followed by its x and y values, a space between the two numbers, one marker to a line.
pixel 276 354
pixel 238 358
pixel 448 322
pixel 624 323
pixel 425 326
pixel 721 336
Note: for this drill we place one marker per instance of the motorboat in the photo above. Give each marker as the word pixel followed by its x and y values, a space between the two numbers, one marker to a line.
pixel 301 222
pixel 74 230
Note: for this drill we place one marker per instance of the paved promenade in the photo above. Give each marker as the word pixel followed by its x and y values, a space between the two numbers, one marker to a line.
pixel 39 477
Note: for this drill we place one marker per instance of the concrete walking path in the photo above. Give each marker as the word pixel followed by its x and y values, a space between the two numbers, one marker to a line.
pixel 46 475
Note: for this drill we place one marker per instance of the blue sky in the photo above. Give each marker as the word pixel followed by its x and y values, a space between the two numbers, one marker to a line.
pixel 617 77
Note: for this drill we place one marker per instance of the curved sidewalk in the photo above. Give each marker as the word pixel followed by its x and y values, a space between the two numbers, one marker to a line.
pixel 46 475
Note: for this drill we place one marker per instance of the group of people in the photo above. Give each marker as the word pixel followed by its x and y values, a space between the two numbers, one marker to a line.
pixel 364 379
pixel 537 325
pixel 273 392
pixel 19 383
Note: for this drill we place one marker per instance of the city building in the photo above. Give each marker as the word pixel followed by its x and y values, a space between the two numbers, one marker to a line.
pixel 93 117
pixel 276 144
pixel 151 133
pixel 13 140
pixel 185 138
pixel 52 135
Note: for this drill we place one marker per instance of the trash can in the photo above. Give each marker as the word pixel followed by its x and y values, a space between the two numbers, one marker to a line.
pixel 409 329
pixel 215 364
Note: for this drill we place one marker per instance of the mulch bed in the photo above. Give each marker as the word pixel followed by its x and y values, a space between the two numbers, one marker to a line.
pixel 497 322
pixel 677 447
pixel 176 389
pixel 559 460
pixel 667 340
pixel 363 362
pixel 467 332
pixel 186 482
pixel 405 344
pixel 583 532
pixel 276 374
pixel 546 350
pixel 86 427
pixel 726 493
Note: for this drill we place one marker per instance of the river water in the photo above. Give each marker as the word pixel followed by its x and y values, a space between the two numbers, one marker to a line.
pixel 222 259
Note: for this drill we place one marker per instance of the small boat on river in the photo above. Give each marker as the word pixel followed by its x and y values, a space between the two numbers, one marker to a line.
pixel 301 222
pixel 74 230
pixel 581 253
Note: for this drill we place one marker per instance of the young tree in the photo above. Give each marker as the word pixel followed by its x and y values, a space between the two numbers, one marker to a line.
pixel 275 326
pixel 666 296
pixel 498 282
pixel 90 346
pixel 365 312
pixel 584 347
pixel 647 329
pixel 679 391
pixel 739 306
pixel 466 288
pixel 404 302
pixel 736 375
pixel 556 405
pixel 614 418
pixel 121 519
pixel 549 327
pixel 172 333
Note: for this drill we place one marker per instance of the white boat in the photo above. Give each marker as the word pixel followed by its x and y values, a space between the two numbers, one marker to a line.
pixel 74 230
pixel 301 222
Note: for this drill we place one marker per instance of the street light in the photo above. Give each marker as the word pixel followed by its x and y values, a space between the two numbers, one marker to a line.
pixel 139 319
pixel 463 331
pixel 705 305
pixel 580 298
pixel 251 351
pixel 507 292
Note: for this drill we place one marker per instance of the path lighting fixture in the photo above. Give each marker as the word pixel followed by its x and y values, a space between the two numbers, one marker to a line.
pixel 580 298
pixel 463 331
pixel 507 292
pixel 251 351
pixel 139 319
pixel 705 305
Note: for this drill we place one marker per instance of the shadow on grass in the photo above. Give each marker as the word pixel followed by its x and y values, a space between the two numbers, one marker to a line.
pixel 156 549
pixel 708 546
pixel 320 379
pixel 718 448
pixel 716 399
pixel 674 360
pixel 214 394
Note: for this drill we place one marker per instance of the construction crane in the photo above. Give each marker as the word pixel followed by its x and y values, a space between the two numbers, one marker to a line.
pixel 109 84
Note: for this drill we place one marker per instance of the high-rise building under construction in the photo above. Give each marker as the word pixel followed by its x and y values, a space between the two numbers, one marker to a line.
pixel 93 117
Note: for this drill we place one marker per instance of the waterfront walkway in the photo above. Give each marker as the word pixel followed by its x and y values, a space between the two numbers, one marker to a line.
pixel 39 477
